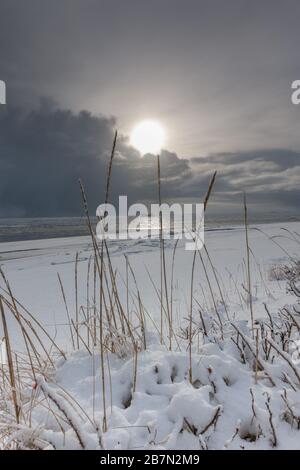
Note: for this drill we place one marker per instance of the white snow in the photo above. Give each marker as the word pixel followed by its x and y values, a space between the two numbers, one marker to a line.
pixel 230 404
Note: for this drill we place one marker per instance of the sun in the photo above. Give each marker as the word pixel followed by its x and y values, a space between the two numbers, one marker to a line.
pixel 148 137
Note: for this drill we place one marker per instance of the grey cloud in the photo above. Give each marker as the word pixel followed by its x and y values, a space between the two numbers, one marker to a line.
pixel 216 73
pixel 268 176
pixel 44 151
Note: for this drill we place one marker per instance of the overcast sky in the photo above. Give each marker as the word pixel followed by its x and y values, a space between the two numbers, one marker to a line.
pixel 217 74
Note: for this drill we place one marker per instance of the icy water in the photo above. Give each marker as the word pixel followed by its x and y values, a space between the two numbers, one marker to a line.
pixel 41 228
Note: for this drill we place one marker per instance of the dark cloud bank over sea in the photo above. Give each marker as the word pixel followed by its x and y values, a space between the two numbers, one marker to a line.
pixel 46 150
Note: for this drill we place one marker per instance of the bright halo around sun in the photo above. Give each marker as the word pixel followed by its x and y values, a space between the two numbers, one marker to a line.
pixel 148 137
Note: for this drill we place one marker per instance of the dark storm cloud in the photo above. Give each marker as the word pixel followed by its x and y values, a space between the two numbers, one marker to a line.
pixel 43 153
pixel 46 150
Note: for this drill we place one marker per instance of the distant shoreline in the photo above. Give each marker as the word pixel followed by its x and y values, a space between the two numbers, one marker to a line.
pixel 26 229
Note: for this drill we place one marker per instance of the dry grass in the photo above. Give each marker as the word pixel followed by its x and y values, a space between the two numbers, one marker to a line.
pixel 109 324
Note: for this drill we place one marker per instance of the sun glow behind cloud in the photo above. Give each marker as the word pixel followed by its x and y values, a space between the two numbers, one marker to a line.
pixel 148 137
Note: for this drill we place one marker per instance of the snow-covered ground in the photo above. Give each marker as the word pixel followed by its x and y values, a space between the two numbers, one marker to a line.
pixel 32 267
pixel 241 395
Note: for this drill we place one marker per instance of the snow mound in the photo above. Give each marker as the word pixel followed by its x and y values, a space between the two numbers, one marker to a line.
pixel 227 405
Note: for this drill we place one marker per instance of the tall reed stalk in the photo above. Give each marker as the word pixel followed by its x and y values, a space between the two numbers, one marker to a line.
pixel 163 271
pixel 11 370
pixel 248 265
pixel 76 300
pixel 205 202
pixel 101 286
